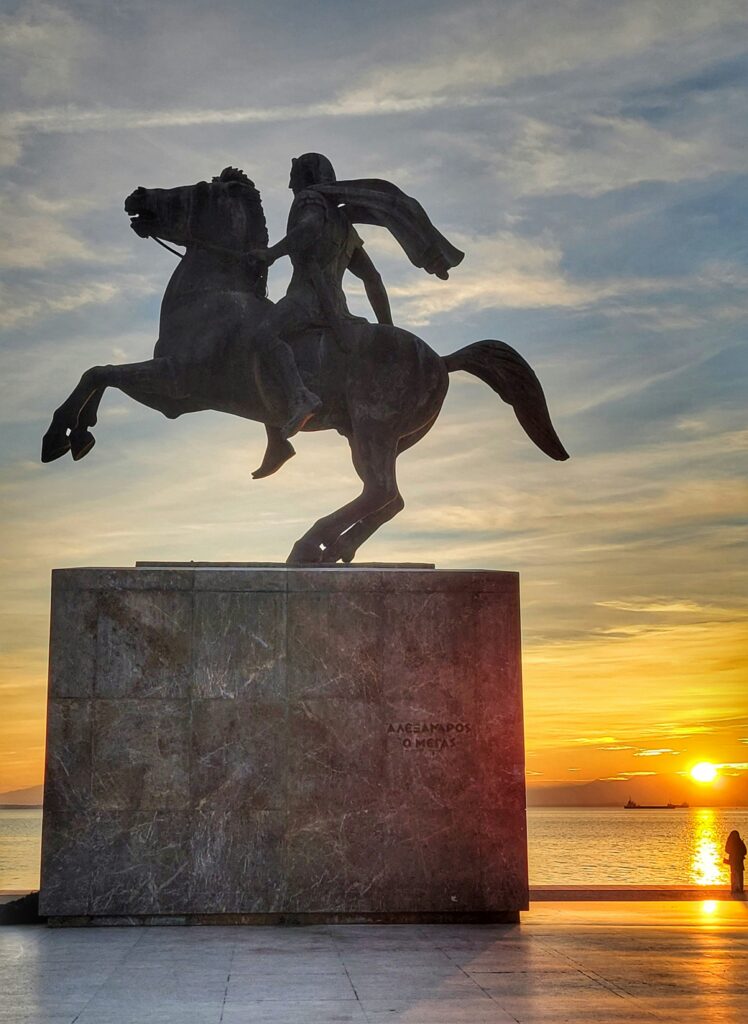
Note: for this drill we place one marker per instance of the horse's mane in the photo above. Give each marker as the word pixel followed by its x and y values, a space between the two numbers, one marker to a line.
pixel 250 194
pixel 235 174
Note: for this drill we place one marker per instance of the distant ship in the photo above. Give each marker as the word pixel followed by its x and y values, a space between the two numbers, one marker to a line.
pixel 632 805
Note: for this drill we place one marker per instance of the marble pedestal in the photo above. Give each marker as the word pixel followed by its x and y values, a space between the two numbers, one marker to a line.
pixel 273 744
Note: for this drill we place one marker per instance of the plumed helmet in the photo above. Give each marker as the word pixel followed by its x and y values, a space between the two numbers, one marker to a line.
pixel 312 169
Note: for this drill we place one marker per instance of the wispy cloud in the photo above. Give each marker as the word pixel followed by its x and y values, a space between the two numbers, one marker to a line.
pixel 592 741
pixel 37 233
pixel 63 120
pixel 656 752
pixel 21 305
pixel 663 605
pixel 601 153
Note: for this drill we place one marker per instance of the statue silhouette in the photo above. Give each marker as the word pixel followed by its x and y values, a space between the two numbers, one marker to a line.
pixel 378 385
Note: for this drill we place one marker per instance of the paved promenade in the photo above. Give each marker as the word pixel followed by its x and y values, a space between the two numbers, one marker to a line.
pixel 605 962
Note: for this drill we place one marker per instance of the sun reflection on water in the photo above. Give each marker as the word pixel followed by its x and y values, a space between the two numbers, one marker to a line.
pixel 706 858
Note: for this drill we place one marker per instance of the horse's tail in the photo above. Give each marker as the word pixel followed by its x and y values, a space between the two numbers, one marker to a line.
pixel 514 381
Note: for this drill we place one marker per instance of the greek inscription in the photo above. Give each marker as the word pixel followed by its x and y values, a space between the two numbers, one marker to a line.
pixel 433 736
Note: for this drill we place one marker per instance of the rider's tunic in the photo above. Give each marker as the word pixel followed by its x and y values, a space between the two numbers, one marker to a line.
pixel 317 282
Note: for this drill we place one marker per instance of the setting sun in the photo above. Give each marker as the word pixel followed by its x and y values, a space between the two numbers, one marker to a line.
pixel 704 772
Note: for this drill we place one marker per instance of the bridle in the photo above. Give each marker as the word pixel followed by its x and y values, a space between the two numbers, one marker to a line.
pixel 221 251
pixel 165 246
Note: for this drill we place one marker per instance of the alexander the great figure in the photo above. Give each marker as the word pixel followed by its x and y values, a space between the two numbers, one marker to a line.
pixel 322 244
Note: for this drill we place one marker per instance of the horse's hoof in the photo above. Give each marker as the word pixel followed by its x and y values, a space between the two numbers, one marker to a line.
pixel 81 443
pixel 54 446
pixel 339 552
pixel 303 553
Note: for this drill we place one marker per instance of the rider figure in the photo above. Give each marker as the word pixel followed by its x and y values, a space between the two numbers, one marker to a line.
pixel 322 244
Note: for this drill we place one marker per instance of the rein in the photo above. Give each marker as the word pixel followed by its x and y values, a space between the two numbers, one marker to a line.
pixel 202 245
pixel 165 246
pixel 261 284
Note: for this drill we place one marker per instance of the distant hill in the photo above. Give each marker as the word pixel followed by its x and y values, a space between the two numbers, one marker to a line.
pixel 30 797
pixel 727 791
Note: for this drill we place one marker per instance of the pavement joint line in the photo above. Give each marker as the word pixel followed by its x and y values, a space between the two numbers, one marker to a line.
pixel 115 967
pixel 228 981
pixel 350 980
pixel 593 975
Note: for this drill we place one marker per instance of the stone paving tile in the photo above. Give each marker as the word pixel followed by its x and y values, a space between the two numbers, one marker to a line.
pixel 382 937
pixel 588 1015
pixel 289 989
pixel 178 962
pixel 191 993
pixel 69 1000
pixel 432 1010
pixel 500 961
pixel 251 962
pixel 417 988
pixel 300 939
pixel 330 1011
pixel 416 958
pixel 600 1006
pixel 19 1015
pixel 530 982
pixel 564 964
pixel 162 1012
pixel 396 971
pixel 717 1009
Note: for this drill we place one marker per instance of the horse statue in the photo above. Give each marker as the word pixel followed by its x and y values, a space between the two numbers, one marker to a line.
pixel 382 393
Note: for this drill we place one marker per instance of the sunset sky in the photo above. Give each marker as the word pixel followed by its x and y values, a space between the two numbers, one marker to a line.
pixel 588 156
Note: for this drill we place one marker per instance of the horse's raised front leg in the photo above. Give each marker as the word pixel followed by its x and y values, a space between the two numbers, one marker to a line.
pixel 81 438
pixel 153 376
pixel 374 453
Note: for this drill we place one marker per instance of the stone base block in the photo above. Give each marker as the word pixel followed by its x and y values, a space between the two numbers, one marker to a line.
pixel 284 744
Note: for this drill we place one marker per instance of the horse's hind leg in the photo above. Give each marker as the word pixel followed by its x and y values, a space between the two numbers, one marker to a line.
pixel 345 547
pixel 374 454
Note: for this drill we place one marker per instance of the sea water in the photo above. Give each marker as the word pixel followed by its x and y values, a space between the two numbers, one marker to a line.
pixel 20 848
pixel 613 846
pixel 567 846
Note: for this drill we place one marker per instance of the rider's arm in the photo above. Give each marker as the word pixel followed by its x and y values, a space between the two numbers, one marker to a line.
pixel 303 235
pixel 363 268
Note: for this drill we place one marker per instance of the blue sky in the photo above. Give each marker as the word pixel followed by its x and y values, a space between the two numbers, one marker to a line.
pixel 588 156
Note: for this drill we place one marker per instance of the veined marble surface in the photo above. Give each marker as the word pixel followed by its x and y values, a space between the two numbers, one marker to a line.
pixel 268 740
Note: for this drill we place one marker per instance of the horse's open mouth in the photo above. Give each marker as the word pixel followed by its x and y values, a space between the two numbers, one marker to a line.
pixel 143 216
pixel 141 221
pixel 136 208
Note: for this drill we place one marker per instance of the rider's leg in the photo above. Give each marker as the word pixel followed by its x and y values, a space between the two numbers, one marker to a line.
pixel 302 403
pixel 277 453
pixel 272 351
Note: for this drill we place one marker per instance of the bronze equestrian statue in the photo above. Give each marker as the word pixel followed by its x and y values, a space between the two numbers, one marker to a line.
pixel 312 366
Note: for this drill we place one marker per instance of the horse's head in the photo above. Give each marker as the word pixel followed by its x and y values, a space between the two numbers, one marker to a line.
pixel 226 212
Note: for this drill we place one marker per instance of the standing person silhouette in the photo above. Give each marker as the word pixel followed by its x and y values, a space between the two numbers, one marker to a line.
pixel 736 850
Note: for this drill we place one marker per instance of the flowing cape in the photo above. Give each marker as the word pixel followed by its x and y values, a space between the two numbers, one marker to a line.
pixel 374 201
